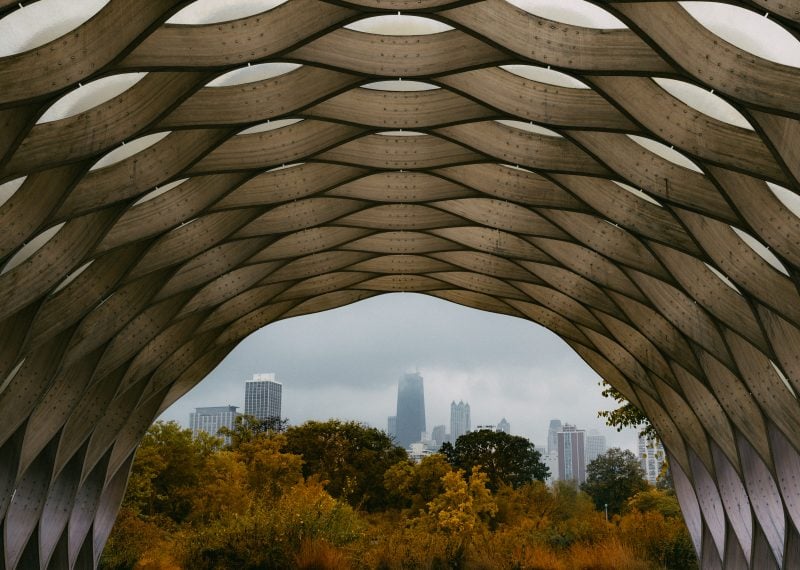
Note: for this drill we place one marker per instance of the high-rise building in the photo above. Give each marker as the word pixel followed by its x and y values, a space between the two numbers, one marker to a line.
pixel 651 456
pixel 210 419
pixel 504 426
pixel 552 437
pixel 391 426
pixel 595 445
pixel 459 420
pixel 262 397
pixel 439 435
pixel 410 409
pixel 571 458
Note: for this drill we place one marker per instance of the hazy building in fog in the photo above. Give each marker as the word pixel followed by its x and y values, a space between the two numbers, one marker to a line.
pixel 410 409
pixel 552 436
pixel 439 435
pixel 459 420
pixel 651 457
pixel 262 397
pixel 595 445
pixel 391 427
pixel 571 458
pixel 504 426
pixel 210 419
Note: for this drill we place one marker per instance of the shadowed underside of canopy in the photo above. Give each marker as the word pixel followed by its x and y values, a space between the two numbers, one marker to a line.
pixel 567 175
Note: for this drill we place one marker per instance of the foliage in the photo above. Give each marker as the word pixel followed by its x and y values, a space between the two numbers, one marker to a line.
pixel 626 415
pixel 613 478
pixel 506 459
pixel 413 485
pixel 351 457
pixel 250 506
pixel 247 427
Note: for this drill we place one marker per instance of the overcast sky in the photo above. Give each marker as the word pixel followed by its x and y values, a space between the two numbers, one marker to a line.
pixel 345 363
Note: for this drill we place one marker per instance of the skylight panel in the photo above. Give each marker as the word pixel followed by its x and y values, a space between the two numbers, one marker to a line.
pixel 214 11
pixel 8 189
pixel 71 277
pixel 401 134
pixel 704 101
pixel 399 25
pixel 786 196
pixel 269 126
pixel 400 85
pixel 529 127
pixel 253 73
pixel 638 193
pixel 545 75
pixel 158 191
pixel 574 12
pixel 34 245
pixel 665 152
pixel 747 30
pixel 762 250
pixel 127 150
pixel 90 95
pixel 44 21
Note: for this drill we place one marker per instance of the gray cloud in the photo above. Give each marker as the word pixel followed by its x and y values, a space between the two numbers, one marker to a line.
pixel 346 363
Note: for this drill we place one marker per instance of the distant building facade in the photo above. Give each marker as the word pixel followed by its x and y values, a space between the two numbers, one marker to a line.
pixel 651 457
pixel 418 451
pixel 504 426
pixel 262 397
pixel 571 458
pixel 410 409
pixel 391 426
pixel 210 419
pixel 459 420
pixel 595 445
pixel 552 436
pixel 439 435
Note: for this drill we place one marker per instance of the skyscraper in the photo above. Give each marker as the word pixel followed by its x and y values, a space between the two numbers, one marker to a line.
pixel 410 409
pixel 262 397
pixel 439 435
pixel 459 420
pixel 571 458
pixel 552 437
pixel 651 456
pixel 210 419
pixel 391 426
pixel 504 426
pixel 595 445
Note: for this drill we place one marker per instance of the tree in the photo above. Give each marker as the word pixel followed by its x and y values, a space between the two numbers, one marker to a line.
pixel 506 459
pixel 351 457
pixel 626 415
pixel 613 478
pixel 414 485
pixel 247 427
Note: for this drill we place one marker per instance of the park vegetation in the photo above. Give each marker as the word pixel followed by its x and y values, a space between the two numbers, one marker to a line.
pixel 339 495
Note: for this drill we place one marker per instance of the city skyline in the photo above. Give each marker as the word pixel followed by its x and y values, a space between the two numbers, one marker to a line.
pixel 346 363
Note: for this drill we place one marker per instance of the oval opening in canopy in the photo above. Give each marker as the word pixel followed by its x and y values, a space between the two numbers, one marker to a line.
pixel 400 85
pixel 747 30
pixel 253 73
pixel 545 75
pixel 90 95
pixel 703 101
pixel 41 22
pixel 573 12
pixel 665 152
pixel 214 11
pixel 399 25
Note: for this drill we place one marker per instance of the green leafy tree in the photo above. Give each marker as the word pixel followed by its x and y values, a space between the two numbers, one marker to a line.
pixel 626 415
pixel 167 470
pixel 653 499
pixel 351 457
pixel 246 428
pixel 613 478
pixel 506 459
